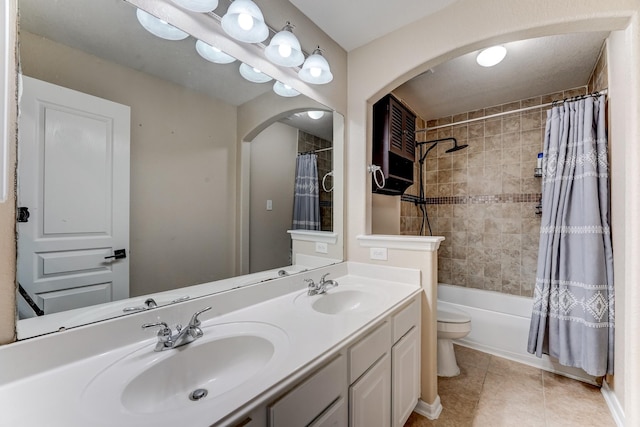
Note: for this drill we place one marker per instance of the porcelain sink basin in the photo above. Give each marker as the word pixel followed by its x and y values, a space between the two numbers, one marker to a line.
pixel 227 358
pixel 343 300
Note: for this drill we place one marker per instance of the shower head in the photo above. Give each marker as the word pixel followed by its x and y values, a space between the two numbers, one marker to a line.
pixel 456 147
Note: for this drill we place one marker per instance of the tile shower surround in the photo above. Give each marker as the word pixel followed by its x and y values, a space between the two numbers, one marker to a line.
pixel 483 199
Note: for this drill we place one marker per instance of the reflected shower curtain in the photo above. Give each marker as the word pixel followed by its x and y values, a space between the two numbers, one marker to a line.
pixel 306 199
pixel 573 307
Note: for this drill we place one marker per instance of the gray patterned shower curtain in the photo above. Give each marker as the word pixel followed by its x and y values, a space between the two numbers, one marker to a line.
pixel 306 199
pixel 573 307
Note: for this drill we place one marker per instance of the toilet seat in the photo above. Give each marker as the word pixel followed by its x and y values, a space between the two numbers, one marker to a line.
pixel 450 315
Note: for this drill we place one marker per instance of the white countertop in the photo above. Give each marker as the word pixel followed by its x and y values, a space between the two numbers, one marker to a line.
pixel 48 388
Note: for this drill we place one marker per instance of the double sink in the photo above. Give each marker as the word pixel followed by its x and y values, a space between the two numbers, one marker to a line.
pixel 229 361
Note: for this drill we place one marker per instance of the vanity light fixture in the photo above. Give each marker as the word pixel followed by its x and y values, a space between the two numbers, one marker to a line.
pixel 284 48
pixel 158 27
pixel 284 90
pixel 315 69
pixel 213 54
pixel 315 115
pixel 197 5
pixel 491 56
pixel 244 22
pixel 253 74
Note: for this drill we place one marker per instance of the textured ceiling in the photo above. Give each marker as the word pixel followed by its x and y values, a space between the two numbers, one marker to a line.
pixel 532 67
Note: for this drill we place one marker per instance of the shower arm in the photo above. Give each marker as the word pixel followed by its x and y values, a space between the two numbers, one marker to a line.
pixel 432 146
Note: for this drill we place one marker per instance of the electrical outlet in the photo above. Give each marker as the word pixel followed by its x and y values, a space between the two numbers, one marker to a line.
pixel 322 248
pixel 378 253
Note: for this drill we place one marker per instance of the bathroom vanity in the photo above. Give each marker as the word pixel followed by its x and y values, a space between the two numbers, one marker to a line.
pixel 270 355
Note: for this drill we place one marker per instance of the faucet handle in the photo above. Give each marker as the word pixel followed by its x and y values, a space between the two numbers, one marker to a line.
pixel 164 332
pixel 194 319
pixel 323 276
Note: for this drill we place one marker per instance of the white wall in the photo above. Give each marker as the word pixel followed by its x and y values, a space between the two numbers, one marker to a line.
pixel 273 167
pixel 465 26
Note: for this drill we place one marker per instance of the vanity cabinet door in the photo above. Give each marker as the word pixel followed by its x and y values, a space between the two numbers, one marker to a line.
pixel 405 360
pixel 370 396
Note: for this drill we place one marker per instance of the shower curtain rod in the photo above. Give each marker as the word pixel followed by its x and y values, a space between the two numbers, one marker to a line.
pixel 519 110
pixel 316 151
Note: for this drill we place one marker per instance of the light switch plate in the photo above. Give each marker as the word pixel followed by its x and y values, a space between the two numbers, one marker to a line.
pixel 269 205
pixel 322 248
pixel 378 253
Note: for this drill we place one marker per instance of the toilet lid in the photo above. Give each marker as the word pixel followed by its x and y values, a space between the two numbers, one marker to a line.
pixel 449 315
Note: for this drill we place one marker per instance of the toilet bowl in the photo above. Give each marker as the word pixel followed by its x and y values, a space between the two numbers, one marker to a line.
pixel 452 324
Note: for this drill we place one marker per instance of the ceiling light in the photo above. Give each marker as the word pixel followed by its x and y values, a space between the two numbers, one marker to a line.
pixel 284 90
pixel 213 54
pixel 158 27
pixel 316 69
pixel 253 74
pixel 315 115
pixel 244 21
pixel 197 5
pixel 284 48
pixel 491 56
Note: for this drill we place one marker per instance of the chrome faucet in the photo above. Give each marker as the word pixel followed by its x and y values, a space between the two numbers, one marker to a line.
pixel 320 288
pixel 168 340
pixel 148 304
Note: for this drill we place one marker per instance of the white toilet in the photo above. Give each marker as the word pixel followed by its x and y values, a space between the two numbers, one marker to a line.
pixel 452 324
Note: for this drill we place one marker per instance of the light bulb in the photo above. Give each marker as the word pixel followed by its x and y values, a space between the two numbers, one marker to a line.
pixel 315 71
pixel 284 50
pixel 245 21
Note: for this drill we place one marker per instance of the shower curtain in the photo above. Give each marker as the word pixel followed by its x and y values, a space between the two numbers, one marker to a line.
pixel 573 307
pixel 306 200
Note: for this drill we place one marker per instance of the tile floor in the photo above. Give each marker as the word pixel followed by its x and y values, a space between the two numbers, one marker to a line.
pixel 492 392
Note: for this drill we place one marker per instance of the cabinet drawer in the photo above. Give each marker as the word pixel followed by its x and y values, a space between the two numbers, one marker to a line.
pixel 406 319
pixel 335 416
pixel 369 349
pixel 308 400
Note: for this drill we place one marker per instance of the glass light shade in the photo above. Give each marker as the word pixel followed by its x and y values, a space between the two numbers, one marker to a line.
pixel 244 21
pixel 315 69
pixel 158 27
pixel 253 74
pixel 284 90
pixel 315 115
pixel 213 54
pixel 491 56
pixel 284 49
pixel 197 5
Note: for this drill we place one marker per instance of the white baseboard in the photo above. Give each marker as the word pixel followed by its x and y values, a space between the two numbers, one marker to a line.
pixel 431 411
pixel 617 412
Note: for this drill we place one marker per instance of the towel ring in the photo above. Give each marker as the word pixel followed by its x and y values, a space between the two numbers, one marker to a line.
pixel 324 178
pixel 374 169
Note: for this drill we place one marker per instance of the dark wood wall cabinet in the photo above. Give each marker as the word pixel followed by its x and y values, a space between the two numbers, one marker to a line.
pixel 393 144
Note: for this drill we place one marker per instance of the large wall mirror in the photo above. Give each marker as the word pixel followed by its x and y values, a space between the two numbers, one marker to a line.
pixel 203 192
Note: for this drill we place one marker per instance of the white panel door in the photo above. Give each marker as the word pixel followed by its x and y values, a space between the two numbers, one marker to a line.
pixel 73 177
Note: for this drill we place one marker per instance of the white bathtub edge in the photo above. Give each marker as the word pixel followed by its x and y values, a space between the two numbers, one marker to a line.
pixel 500 326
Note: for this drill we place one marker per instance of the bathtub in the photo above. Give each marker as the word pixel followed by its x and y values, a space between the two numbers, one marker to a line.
pixel 500 326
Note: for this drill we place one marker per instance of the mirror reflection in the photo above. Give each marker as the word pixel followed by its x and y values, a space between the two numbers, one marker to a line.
pixel 132 170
